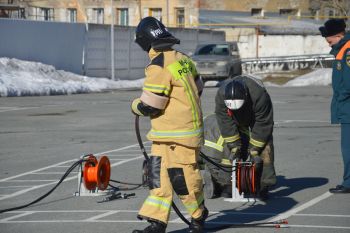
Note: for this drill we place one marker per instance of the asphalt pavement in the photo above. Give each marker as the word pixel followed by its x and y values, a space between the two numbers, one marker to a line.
pixel 42 136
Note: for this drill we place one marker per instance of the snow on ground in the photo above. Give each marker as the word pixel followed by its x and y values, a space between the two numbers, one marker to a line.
pixel 320 77
pixel 24 78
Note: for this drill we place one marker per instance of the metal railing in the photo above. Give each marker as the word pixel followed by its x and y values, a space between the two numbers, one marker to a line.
pixel 287 62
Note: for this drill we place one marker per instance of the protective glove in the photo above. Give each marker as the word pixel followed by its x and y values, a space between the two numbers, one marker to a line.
pixel 254 151
pixel 134 107
pixel 235 149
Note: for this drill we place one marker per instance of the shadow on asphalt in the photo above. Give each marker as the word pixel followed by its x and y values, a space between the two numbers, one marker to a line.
pixel 286 187
pixel 278 203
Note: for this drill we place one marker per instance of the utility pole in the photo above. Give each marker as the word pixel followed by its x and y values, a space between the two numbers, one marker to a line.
pixel 167 13
pixel 112 41
pixel 140 10
pixel 257 33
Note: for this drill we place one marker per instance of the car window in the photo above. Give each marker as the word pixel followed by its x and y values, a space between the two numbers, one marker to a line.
pixel 213 49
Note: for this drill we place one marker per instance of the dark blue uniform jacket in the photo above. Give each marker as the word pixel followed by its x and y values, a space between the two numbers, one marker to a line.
pixel 340 107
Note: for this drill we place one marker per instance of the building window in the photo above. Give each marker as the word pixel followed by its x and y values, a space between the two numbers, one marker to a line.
pixel 123 16
pixel 72 15
pixel 156 13
pixel 98 15
pixel 95 15
pixel 43 14
pixel 4 14
pixel 257 12
pixel 180 17
pixel 286 12
pixel 47 14
pixel 16 12
pixel 22 12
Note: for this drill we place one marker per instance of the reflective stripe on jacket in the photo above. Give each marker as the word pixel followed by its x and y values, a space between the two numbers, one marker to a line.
pixel 214 144
pixel 173 74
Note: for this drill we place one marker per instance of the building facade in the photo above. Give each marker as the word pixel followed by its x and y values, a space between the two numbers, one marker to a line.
pixel 173 13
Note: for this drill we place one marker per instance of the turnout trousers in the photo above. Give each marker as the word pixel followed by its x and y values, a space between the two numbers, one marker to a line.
pixel 268 176
pixel 172 168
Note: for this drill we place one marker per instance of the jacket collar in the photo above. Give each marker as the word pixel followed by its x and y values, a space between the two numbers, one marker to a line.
pixel 336 48
pixel 153 53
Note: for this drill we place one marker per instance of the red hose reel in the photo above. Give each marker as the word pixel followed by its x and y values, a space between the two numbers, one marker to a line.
pixel 96 173
pixel 247 178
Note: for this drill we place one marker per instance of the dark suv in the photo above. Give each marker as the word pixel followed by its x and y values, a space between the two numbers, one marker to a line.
pixel 217 61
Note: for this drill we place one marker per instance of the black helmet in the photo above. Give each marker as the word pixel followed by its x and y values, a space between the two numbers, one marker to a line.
pixel 152 33
pixel 235 94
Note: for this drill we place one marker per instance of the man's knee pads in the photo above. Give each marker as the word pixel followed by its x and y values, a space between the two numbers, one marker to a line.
pixel 177 179
pixel 153 166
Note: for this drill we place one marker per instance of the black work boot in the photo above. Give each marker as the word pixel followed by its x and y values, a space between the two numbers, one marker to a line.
pixel 226 191
pixel 197 225
pixel 155 227
pixel 263 194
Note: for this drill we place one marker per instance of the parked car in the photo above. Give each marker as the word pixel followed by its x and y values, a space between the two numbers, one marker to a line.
pixel 217 61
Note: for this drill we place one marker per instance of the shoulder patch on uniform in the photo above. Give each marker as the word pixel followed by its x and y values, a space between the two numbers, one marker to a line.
pixel 347 60
pixel 339 67
pixel 158 60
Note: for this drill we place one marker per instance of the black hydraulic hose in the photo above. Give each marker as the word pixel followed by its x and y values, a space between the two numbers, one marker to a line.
pixel 121 182
pixel 138 136
pixel 124 188
pixel 139 140
pixel 225 168
pixel 49 192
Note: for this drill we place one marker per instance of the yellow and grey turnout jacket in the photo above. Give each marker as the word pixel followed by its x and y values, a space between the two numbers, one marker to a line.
pixel 173 86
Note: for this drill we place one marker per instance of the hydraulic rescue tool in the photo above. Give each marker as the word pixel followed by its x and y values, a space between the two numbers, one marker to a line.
pixel 116 195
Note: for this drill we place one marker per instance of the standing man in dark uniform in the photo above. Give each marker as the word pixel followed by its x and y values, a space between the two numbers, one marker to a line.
pixel 244 114
pixel 334 33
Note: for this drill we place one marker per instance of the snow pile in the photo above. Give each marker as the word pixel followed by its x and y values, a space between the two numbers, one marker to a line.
pixel 319 77
pixel 23 78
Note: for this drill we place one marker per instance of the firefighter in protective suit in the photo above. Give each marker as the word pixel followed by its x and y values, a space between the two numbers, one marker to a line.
pixel 244 115
pixel 170 98
pixel 217 182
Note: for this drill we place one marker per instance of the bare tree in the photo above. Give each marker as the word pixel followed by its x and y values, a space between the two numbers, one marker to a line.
pixel 340 7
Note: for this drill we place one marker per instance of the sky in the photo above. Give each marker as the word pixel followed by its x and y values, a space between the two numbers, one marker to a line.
pixel 24 78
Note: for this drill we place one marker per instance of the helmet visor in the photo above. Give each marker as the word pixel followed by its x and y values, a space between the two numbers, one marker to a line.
pixel 234 104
